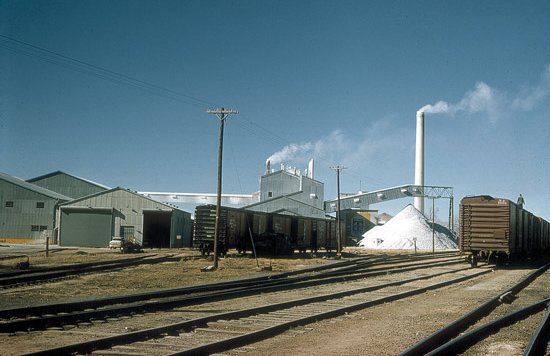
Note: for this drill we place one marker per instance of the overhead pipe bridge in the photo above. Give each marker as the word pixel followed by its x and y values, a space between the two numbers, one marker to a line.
pixel 362 201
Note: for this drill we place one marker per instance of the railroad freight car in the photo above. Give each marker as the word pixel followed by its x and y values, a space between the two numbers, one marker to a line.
pixel 495 228
pixel 272 234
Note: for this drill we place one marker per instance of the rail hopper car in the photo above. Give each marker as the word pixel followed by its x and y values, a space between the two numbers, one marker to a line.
pixel 272 234
pixel 495 228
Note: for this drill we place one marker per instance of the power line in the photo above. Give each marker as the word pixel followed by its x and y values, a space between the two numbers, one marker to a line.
pixel 101 72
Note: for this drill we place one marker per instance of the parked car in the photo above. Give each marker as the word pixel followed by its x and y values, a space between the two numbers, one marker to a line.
pixel 124 245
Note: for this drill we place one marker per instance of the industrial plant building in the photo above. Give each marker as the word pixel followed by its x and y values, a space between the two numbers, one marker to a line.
pixel 287 191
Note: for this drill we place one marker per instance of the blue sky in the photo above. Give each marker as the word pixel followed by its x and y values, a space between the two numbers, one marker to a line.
pixel 117 92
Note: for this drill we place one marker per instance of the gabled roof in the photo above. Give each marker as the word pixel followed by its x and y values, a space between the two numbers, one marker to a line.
pixel 125 190
pixel 272 199
pixel 32 187
pixel 285 208
pixel 52 174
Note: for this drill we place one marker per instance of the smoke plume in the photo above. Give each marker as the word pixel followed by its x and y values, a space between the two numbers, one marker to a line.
pixel 482 99
pixel 531 96
pixel 303 152
pixel 354 150
pixel 493 103
pixel 294 151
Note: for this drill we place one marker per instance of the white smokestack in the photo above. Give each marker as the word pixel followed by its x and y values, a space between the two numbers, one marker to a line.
pixel 419 159
pixel 310 168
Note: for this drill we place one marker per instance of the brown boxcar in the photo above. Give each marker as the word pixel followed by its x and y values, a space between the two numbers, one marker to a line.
pixel 270 231
pixel 496 227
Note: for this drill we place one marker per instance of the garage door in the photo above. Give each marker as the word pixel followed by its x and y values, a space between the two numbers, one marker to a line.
pixel 85 227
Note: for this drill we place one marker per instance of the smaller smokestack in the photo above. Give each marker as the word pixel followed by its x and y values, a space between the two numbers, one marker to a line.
pixel 267 167
pixel 310 168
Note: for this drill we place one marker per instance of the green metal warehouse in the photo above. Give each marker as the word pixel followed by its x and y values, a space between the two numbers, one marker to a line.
pixel 92 221
pixel 27 211
pixel 67 184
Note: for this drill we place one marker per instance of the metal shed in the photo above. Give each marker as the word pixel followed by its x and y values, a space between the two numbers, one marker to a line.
pixel 27 211
pixel 92 221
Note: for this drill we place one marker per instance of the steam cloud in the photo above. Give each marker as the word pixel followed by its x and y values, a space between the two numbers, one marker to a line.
pixel 530 97
pixel 291 152
pixel 489 101
pixel 303 152
pixel 482 99
pixel 339 147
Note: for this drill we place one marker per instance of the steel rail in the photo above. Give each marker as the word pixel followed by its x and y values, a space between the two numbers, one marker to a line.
pixel 43 276
pixel 389 269
pixel 538 343
pixel 107 342
pixel 34 269
pixel 456 327
pixel 75 316
pixel 462 342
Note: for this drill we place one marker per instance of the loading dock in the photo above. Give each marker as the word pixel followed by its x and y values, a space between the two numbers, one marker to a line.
pixel 156 228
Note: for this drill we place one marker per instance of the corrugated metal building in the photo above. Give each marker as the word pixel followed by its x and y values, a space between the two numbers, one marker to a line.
pixel 288 192
pixel 27 211
pixel 357 223
pixel 68 185
pixel 92 221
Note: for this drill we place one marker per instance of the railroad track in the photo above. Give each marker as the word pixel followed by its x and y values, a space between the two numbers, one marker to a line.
pixel 272 314
pixel 365 273
pixel 466 334
pixel 57 315
pixel 16 279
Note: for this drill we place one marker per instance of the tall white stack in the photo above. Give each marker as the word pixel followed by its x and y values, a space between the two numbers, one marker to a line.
pixel 419 159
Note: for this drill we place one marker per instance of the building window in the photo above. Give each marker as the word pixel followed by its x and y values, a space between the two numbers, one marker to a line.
pixel 9 204
pixel 40 205
pixel 38 228
pixel 270 194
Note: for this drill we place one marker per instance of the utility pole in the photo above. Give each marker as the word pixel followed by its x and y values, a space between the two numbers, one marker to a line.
pixel 338 169
pixel 433 224
pixel 222 115
pixel 451 215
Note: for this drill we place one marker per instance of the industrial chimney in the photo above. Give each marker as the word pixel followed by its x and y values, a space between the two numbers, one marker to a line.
pixel 419 159
pixel 310 168
pixel 267 167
